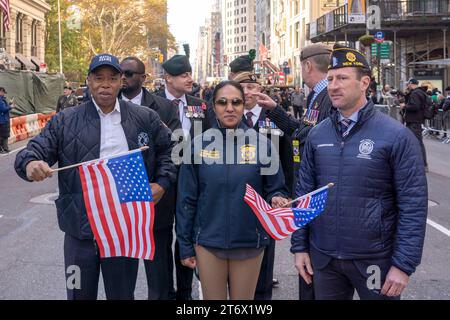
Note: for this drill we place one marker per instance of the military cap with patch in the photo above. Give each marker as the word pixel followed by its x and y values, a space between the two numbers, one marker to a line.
pixel 343 57
pixel 243 63
pixel 246 77
pixel 314 49
pixel 177 65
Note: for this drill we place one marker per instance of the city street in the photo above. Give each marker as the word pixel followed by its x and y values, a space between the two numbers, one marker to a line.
pixel 31 244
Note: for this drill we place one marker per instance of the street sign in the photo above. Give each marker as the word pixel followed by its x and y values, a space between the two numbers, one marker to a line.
pixel 379 36
pixel 384 50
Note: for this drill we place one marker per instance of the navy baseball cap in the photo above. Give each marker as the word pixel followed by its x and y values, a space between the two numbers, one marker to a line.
pixel 105 59
pixel 413 81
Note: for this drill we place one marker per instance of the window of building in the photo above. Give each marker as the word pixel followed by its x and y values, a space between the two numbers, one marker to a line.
pixel 297 35
pixel 19 33
pixel 2 33
pixel 34 37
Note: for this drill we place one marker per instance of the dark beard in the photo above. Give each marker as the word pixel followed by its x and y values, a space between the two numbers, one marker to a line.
pixel 128 90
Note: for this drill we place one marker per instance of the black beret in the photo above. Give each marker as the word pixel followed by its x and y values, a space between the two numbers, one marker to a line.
pixel 177 65
pixel 242 63
pixel 343 57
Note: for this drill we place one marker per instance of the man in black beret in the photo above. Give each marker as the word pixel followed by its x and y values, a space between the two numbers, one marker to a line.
pixel 191 111
pixel 242 64
pixel 370 237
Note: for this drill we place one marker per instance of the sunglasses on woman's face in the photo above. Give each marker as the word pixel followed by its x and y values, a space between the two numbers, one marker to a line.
pixel 236 102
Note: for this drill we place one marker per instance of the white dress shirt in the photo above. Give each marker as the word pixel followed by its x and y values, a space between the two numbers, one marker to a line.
pixel 185 122
pixel 256 110
pixel 112 136
pixel 136 100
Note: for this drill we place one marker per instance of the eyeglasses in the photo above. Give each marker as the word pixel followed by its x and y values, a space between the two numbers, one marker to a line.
pixel 129 74
pixel 224 102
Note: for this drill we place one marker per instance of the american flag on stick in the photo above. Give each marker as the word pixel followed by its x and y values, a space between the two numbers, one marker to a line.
pixel 4 7
pixel 279 223
pixel 119 205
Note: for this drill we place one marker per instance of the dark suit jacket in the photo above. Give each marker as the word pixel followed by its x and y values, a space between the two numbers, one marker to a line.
pixel 285 152
pixel 296 129
pixel 193 101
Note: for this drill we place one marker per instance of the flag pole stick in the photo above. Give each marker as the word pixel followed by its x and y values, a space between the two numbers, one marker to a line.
pixel 330 185
pixel 104 158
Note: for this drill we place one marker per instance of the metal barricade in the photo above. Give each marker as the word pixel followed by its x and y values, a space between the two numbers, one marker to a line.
pixel 438 127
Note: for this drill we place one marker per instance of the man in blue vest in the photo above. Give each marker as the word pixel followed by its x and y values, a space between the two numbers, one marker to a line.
pixel 370 237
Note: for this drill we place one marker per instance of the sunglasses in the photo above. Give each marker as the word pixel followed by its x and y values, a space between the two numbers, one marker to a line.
pixel 129 74
pixel 236 102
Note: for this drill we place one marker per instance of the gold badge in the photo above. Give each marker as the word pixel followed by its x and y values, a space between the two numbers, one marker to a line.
pixel 214 154
pixel 351 57
pixel 248 154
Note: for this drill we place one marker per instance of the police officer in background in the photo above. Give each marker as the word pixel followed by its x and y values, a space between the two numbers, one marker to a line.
pixel 101 127
pixel 67 100
pixel 158 270
pixel 255 117
pixel 314 59
pixel 373 226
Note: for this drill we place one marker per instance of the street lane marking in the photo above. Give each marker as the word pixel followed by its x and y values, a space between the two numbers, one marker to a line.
pixel 439 227
pixel 13 151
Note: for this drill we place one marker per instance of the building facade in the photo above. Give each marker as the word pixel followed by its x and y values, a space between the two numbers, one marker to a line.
pixel 416 42
pixel 239 29
pixel 23 45
pixel 288 21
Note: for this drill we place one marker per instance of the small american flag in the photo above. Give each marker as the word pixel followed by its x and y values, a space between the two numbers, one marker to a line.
pixel 120 206
pixel 281 222
pixel 4 7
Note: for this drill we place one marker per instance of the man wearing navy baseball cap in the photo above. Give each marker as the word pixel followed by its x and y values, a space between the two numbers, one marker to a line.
pixel 101 127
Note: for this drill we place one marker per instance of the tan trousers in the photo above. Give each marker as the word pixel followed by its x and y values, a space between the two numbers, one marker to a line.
pixel 216 275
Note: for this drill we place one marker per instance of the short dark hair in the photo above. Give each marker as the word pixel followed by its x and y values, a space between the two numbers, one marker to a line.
pixel 140 64
pixel 228 83
pixel 363 72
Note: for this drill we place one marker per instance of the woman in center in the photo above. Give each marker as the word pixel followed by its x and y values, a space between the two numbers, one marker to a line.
pixel 217 231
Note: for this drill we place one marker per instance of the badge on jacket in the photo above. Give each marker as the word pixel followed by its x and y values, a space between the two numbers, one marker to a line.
pixel 143 139
pixel 195 112
pixel 268 127
pixel 248 154
pixel 296 150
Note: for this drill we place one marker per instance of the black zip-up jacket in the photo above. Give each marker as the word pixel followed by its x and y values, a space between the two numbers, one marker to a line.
pixel 73 136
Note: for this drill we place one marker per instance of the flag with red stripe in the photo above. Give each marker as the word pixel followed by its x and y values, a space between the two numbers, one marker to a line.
pixel 4 7
pixel 279 223
pixel 119 205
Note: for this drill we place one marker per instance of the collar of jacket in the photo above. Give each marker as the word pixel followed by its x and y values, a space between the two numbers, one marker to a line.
pixel 225 131
pixel 365 113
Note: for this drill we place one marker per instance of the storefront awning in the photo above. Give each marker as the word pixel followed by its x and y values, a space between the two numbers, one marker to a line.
pixel 11 60
pixel 36 62
pixel 27 63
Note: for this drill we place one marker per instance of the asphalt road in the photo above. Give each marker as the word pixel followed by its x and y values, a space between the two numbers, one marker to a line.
pixel 31 244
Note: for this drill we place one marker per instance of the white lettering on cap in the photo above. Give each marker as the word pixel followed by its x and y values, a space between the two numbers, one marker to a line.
pixel 104 58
